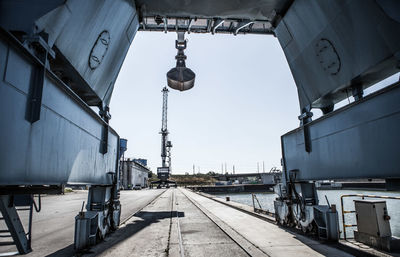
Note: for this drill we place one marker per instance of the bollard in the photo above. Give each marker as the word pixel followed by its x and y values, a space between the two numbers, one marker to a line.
pixel 228 198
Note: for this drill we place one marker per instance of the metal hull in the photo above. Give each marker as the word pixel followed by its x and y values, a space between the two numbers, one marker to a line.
pixel 63 146
pixel 332 45
pixel 357 141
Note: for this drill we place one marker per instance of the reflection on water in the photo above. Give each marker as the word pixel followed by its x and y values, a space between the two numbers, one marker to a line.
pixel 267 203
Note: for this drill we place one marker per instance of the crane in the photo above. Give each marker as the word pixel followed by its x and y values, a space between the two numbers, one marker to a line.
pixel 166 145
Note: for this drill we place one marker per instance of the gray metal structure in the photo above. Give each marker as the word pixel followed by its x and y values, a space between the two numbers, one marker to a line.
pixel 134 175
pixel 164 171
pixel 364 138
pixel 222 16
pixel 58 58
pixel 337 48
pixel 54 149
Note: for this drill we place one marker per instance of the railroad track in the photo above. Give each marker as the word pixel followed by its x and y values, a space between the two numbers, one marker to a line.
pixel 244 244
pixel 139 210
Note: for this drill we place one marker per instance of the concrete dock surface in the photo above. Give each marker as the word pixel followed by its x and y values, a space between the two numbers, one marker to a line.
pixel 183 223
pixel 169 222
pixel 53 226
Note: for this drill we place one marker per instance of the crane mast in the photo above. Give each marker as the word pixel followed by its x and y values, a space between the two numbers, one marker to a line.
pixel 165 144
pixel 165 169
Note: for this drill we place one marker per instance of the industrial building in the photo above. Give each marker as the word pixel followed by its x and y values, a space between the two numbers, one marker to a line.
pixel 134 174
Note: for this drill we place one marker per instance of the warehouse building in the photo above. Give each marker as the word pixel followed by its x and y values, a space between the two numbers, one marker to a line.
pixel 134 174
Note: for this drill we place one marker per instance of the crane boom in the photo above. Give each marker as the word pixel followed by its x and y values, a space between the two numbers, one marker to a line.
pixel 165 169
pixel 164 128
pixel 164 109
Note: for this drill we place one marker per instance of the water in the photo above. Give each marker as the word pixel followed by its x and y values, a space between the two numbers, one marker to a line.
pixel 267 203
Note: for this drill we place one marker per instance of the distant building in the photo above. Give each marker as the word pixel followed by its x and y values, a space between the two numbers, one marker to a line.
pixel 134 174
pixel 270 178
pixel 141 161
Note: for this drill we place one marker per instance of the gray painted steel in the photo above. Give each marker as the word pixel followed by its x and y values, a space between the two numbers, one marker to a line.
pixel 133 174
pixel 331 45
pixel 357 141
pixel 94 36
pixel 63 146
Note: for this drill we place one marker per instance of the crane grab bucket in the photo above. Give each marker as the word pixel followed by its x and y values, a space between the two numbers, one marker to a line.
pixel 180 77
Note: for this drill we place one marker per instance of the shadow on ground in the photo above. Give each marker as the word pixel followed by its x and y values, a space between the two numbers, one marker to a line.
pixel 125 232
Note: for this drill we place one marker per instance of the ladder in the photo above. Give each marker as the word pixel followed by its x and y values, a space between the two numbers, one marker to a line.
pixel 10 205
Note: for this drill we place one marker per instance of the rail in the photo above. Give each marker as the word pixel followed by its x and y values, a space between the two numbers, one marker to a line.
pixel 347 212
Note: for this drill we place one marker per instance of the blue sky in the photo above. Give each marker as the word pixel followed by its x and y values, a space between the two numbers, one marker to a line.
pixel 243 100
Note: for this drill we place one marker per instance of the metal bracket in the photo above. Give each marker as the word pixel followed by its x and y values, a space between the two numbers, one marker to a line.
pixel 358 92
pixel 105 114
pixel 42 50
pixel 35 95
pixel 305 118
pixel 104 140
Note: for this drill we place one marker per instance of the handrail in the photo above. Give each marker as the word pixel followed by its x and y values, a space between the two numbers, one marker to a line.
pixel 362 197
pixel 254 196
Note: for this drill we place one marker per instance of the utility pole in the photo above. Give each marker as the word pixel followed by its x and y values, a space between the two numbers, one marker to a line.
pixel 193 169
pixel 258 167
pixel 263 167
pixel 233 169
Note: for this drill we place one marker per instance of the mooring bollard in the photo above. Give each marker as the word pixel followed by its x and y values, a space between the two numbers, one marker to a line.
pixel 228 198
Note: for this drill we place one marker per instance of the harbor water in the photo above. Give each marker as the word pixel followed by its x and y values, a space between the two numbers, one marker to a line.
pixel 267 203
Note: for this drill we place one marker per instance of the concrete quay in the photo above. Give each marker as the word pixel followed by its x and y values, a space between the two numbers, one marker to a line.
pixel 172 222
pixel 53 227
pixel 183 223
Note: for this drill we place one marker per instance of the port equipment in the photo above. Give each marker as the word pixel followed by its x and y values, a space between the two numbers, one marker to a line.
pixel 373 221
pixel 164 171
pixel 180 77
pixel 133 174
pixel 362 196
pixel 59 59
